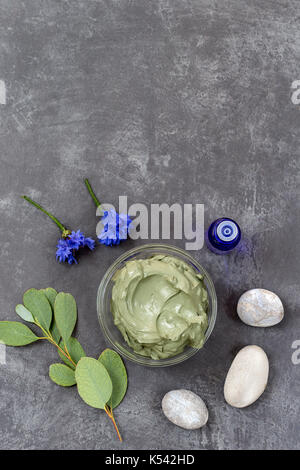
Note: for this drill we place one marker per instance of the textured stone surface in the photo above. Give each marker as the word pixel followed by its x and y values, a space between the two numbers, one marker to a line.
pixel 247 377
pixel 260 307
pixel 185 409
pixel 163 101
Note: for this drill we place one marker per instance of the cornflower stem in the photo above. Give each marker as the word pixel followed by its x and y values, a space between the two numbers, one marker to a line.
pixel 92 194
pixel 38 206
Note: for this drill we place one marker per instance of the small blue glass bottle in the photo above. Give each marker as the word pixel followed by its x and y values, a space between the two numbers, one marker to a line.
pixel 223 236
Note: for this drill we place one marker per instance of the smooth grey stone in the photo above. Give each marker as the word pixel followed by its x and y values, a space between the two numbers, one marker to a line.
pixel 185 409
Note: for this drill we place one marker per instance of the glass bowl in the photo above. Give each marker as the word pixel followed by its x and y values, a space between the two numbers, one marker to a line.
pixel 105 317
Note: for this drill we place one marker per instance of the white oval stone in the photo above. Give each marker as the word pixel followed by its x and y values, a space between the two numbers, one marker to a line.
pixel 247 377
pixel 260 307
pixel 185 409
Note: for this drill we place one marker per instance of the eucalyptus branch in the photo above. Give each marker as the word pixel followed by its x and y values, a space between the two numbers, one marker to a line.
pixel 102 382
pixel 108 410
pixel 51 340
pixel 62 351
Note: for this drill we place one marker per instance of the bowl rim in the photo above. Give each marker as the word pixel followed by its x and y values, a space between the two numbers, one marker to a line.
pixel 145 360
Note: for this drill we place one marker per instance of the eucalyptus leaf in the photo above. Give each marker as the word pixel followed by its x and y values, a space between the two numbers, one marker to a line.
pixel 24 313
pixel 14 333
pixel 117 372
pixel 51 294
pixel 55 332
pixel 37 303
pixel 93 382
pixel 65 313
pixel 75 350
pixel 62 375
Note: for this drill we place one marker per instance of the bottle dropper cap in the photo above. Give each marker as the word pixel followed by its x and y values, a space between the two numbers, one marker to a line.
pixel 223 235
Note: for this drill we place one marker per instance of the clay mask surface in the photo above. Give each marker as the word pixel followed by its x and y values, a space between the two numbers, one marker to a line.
pixel 160 306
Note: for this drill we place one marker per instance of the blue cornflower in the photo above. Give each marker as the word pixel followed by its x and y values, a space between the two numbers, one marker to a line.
pixel 66 247
pixel 70 241
pixel 115 226
pixel 89 242
pixel 64 251
pixel 76 239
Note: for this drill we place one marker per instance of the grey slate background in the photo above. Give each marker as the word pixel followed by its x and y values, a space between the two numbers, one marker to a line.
pixel 163 101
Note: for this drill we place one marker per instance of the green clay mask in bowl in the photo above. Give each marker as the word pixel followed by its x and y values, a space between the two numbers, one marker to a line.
pixel 156 305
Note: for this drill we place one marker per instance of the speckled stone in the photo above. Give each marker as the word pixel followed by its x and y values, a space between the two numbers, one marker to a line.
pixel 247 377
pixel 185 409
pixel 260 307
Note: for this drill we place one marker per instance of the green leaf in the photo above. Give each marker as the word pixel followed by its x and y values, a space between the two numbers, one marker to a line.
pixel 37 303
pixel 65 312
pixel 24 313
pixel 93 382
pixel 55 332
pixel 62 375
pixel 75 350
pixel 51 294
pixel 14 333
pixel 117 372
